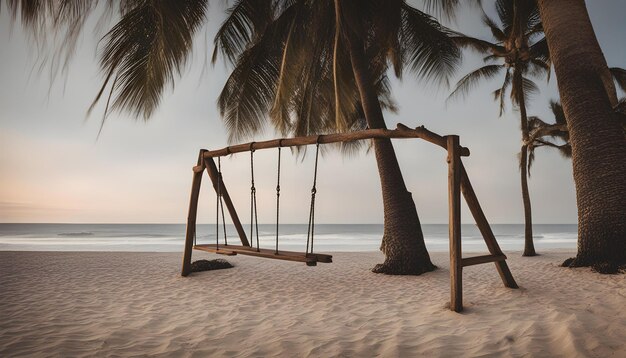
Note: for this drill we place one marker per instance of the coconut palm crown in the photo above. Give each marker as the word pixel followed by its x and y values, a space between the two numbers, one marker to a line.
pixel 519 52
pixel 292 63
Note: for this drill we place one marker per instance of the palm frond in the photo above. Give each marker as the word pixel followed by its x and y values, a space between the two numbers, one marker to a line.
pixel 55 26
pixel 472 79
pixel 446 8
pixel 538 69
pixel 557 110
pixel 146 49
pixel 493 27
pixel 500 93
pixel 478 45
pixel 429 50
pixel 521 83
pixel 539 51
pixel 246 19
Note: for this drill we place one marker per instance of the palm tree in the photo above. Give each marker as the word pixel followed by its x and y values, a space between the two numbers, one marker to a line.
pixel 320 66
pixel 594 121
pixel 598 144
pixel 303 66
pixel 518 51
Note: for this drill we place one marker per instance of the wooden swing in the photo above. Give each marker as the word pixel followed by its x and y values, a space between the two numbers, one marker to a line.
pixel 458 184
pixel 308 257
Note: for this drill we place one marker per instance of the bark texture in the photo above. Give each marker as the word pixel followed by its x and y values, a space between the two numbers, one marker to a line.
pixel 529 246
pixel 403 240
pixel 597 139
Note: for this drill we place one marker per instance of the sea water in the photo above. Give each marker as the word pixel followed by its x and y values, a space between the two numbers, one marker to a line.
pixel 327 237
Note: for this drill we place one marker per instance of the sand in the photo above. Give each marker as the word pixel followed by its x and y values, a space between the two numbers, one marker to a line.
pixel 133 304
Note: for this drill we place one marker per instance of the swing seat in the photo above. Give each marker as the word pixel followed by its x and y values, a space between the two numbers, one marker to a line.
pixel 309 259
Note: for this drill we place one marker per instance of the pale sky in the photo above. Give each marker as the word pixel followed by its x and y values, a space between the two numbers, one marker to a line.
pixel 52 168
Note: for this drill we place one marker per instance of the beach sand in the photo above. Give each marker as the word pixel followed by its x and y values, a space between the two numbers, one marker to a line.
pixel 133 304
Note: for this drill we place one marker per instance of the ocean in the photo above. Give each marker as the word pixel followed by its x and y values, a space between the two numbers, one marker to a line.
pixel 328 237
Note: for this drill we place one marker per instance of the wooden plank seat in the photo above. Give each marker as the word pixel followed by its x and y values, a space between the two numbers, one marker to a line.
pixel 309 259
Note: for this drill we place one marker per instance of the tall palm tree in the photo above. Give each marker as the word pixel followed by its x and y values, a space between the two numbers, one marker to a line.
pixel 594 120
pixel 598 144
pixel 518 51
pixel 320 66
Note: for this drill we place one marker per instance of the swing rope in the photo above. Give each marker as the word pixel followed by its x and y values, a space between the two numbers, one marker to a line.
pixel 278 196
pixel 217 204
pixel 219 173
pixel 310 230
pixel 254 222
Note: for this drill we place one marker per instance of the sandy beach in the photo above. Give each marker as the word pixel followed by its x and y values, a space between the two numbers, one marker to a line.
pixel 135 304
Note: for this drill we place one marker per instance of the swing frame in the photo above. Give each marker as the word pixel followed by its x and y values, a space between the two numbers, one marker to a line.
pixel 458 184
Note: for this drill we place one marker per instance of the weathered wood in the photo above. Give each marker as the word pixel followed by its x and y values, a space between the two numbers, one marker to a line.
pixel 191 217
pixel 213 249
pixel 401 131
pixel 198 169
pixel 454 210
pixel 485 229
pixel 212 170
pixel 268 253
pixel 477 260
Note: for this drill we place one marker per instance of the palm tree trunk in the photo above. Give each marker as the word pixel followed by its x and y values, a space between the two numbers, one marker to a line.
pixel 597 139
pixel 403 240
pixel 529 246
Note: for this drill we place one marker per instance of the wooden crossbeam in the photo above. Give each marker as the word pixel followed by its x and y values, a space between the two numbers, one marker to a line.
pixel 477 260
pixel 401 131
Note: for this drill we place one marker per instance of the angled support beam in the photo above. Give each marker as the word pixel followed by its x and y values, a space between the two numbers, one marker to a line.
pixel 211 169
pixel 485 229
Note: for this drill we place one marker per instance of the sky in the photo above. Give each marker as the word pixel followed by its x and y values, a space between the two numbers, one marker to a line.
pixel 55 169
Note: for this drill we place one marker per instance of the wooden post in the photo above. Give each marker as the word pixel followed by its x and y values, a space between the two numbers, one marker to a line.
pixel 454 208
pixel 485 229
pixel 191 217
pixel 211 168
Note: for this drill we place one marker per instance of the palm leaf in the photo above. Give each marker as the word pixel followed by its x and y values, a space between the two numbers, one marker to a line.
pixel 430 53
pixel 146 49
pixel 472 79
pixel 245 19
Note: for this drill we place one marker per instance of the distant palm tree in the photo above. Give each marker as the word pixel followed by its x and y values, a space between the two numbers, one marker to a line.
pixel 321 66
pixel 543 134
pixel 518 51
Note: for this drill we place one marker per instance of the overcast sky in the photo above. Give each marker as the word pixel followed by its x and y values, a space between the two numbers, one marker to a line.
pixel 52 168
